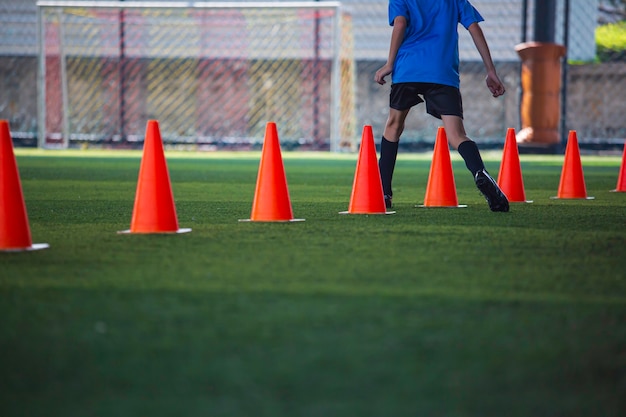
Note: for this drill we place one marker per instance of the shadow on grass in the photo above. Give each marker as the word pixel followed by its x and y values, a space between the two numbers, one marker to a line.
pixel 112 352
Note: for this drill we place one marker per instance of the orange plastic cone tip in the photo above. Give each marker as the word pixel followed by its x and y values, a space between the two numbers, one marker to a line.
pixel 14 228
pixel 441 187
pixel 510 177
pixel 367 189
pixel 154 210
pixel 572 183
pixel 621 178
pixel 271 196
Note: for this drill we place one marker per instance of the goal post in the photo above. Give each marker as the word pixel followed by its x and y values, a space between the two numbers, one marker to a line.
pixel 212 73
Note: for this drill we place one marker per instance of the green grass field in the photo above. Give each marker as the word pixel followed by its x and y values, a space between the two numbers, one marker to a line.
pixel 427 312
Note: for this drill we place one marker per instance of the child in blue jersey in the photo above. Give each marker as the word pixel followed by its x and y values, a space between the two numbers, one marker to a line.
pixel 424 66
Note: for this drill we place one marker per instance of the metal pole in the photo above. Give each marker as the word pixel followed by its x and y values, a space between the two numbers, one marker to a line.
pixel 523 39
pixel 564 132
pixel 122 74
pixel 524 20
pixel 545 20
pixel 335 85
pixel 316 79
pixel 41 80
pixel 65 136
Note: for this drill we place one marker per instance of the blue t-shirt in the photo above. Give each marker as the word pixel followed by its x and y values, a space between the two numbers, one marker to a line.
pixel 430 49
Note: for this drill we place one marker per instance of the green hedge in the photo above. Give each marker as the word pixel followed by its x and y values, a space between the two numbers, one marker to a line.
pixel 611 42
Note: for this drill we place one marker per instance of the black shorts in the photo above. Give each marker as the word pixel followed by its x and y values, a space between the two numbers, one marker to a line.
pixel 440 99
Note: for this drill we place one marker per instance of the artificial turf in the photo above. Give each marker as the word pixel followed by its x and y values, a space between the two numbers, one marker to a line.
pixel 426 312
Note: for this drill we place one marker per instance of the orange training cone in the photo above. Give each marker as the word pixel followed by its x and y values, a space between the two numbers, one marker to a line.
pixel 510 177
pixel 154 210
pixel 367 189
pixel 441 188
pixel 621 178
pixel 14 228
pixel 572 184
pixel 271 196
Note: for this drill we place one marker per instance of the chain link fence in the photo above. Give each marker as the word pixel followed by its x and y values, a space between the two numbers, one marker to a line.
pixel 596 80
pixel 213 77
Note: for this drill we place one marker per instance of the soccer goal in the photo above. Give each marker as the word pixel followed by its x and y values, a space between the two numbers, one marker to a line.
pixel 212 73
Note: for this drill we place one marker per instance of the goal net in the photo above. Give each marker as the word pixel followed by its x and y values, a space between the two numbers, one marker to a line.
pixel 212 73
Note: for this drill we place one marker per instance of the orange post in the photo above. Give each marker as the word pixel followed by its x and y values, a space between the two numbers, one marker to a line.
pixel 271 197
pixel 154 210
pixel 14 228
pixel 510 179
pixel 541 83
pixel 367 189
pixel 441 187
pixel 572 183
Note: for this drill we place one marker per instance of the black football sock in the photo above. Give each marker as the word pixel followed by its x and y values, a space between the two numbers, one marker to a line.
pixel 470 154
pixel 387 163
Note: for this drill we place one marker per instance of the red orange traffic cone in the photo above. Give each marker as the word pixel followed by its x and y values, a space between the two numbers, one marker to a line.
pixel 367 189
pixel 621 178
pixel 572 183
pixel 154 210
pixel 510 177
pixel 14 228
pixel 441 187
pixel 271 196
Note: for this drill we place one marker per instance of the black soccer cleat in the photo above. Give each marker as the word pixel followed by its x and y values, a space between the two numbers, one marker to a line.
pixel 493 194
pixel 388 204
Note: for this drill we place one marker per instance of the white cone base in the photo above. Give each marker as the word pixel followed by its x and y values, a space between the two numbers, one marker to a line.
pixel 572 198
pixel 459 206
pixel 383 213
pixel 33 247
pixel 270 221
pixel 179 231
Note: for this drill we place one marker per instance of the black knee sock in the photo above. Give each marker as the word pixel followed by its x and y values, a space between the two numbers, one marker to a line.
pixel 387 163
pixel 469 151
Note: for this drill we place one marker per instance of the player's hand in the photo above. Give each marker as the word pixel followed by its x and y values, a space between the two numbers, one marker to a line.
pixel 494 84
pixel 384 71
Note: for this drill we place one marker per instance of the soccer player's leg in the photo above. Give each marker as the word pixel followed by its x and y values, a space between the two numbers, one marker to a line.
pixel 467 148
pixel 389 150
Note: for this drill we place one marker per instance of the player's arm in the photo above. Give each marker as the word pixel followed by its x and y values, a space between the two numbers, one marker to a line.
pixel 397 36
pixel 493 81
